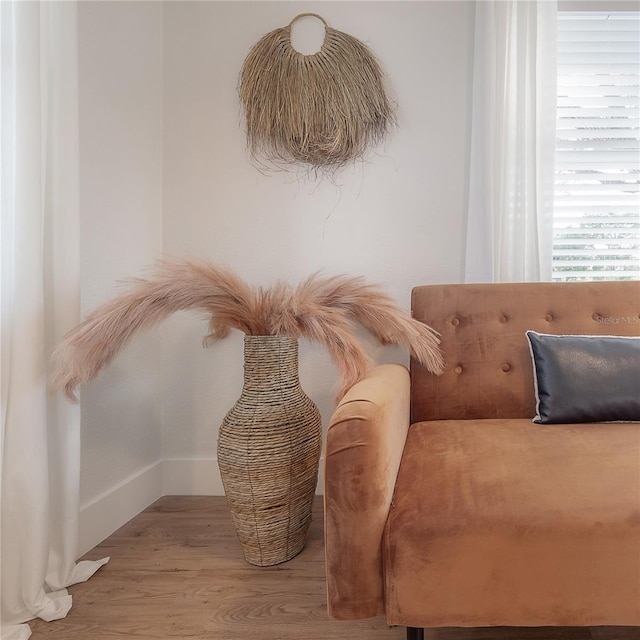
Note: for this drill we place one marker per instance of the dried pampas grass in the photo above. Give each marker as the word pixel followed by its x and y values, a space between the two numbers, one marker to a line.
pixel 323 309
pixel 323 109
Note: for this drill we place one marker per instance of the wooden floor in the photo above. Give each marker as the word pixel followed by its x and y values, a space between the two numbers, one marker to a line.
pixel 177 571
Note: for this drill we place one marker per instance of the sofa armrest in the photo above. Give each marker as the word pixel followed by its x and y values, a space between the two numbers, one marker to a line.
pixel 364 445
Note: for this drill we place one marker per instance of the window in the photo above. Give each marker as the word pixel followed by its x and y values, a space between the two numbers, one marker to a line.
pixel 597 186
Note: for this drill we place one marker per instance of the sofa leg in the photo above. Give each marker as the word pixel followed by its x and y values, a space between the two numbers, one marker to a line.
pixel 414 633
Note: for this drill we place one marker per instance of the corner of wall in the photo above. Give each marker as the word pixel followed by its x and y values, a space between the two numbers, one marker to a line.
pixel 105 514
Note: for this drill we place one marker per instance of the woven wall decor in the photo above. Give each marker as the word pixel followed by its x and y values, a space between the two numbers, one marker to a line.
pixel 323 110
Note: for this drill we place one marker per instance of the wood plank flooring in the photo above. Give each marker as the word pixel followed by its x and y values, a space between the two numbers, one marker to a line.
pixel 177 571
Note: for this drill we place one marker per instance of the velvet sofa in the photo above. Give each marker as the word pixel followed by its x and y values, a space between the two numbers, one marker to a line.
pixel 447 506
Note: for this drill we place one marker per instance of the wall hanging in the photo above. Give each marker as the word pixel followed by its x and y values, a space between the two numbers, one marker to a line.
pixel 269 442
pixel 323 109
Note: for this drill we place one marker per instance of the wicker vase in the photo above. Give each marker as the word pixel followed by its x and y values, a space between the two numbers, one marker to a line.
pixel 268 453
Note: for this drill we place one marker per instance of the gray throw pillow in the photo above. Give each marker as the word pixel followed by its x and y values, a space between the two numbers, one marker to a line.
pixel 585 378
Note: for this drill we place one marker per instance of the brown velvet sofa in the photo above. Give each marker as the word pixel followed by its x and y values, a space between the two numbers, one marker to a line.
pixel 446 506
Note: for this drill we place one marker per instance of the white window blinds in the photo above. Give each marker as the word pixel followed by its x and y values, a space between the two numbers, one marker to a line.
pixel 597 187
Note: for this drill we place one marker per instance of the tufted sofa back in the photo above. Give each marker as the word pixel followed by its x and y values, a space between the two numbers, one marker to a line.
pixel 488 366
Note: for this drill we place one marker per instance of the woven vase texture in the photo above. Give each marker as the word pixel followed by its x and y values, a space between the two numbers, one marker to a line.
pixel 268 453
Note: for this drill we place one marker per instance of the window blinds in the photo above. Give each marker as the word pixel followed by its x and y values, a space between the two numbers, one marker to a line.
pixel 597 186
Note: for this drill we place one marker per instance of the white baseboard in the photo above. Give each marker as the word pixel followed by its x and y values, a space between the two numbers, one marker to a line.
pixel 106 513
pixel 200 477
pixel 191 477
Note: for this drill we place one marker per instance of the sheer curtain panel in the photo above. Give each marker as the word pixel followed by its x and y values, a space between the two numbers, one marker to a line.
pixel 39 280
pixel 510 214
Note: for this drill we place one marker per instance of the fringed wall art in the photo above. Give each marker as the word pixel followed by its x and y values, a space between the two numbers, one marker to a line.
pixel 323 110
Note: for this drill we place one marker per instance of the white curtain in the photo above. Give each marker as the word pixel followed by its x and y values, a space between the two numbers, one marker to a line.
pixel 40 433
pixel 510 213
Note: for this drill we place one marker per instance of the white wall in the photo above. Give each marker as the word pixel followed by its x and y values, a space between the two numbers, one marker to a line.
pixel 120 52
pixel 396 219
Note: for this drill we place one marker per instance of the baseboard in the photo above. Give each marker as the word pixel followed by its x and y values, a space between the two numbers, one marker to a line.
pixel 106 513
pixel 201 477
pixel 191 477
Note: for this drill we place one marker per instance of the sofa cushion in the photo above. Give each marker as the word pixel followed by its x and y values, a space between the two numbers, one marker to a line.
pixel 482 328
pixel 502 522
pixel 585 378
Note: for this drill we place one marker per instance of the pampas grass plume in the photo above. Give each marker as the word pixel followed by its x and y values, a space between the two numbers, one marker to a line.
pixel 322 309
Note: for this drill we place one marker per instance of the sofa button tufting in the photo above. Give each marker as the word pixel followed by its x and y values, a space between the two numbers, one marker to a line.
pixel 504 319
pixel 458 369
pixel 597 317
pixel 549 317
pixel 455 322
pixel 506 367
